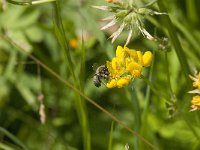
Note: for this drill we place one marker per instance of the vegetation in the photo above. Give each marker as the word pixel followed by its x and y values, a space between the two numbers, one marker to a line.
pixel 50 51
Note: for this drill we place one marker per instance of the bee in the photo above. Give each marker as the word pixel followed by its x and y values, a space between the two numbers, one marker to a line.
pixel 101 73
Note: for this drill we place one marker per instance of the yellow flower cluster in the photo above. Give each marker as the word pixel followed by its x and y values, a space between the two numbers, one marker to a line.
pixel 127 65
pixel 195 99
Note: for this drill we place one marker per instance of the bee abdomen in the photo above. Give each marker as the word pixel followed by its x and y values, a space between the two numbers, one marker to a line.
pixel 96 81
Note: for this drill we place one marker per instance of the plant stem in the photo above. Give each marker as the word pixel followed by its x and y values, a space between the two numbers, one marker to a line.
pixel 13 138
pixel 155 91
pixel 137 115
pixel 147 100
pixel 147 97
pixel 174 39
pixel 150 3
pixel 111 136
pixel 173 97
pixel 79 103
pixel 29 2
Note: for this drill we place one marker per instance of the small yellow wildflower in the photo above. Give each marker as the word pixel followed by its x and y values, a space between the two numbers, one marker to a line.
pixel 127 64
pixel 195 103
pixel 112 84
pixel 73 43
pixel 124 81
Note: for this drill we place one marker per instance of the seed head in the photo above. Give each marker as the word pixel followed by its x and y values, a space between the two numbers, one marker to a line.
pixel 128 16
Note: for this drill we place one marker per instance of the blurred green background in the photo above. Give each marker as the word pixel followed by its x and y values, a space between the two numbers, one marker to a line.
pixel 33 28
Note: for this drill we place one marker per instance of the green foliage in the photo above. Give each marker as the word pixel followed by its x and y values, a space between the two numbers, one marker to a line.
pixel 155 106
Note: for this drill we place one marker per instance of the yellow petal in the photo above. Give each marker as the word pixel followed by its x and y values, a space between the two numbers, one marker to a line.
pixel 132 65
pixel 140 60
pixel 124 81
pixel 111 84
pixel 119 51
pixel 147 58
pixel 115 63
pixel 133 54
pixel 136 73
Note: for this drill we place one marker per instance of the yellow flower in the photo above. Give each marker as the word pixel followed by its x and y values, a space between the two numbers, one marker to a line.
pixel 195 103
pixel 124 81
pixel 147 58
pixel 112 84
pixel 127 64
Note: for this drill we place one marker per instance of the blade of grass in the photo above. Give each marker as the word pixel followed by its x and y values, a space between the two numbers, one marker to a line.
pixel 11 65
pixel 79 103
pixel 147 101
pixel 5 147
pixel 82 69
pixel 192 11
pixel 174 39
pixel 30 2
pixel 155 91
pixel 148 91
pixel 111 136
pixel 13 138
pixel 173 97
pixel 137 115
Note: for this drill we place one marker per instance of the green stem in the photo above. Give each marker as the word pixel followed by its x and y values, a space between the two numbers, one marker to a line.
pixel 150 3
pixel 174 100
pixel 79 103
pixel 30 2
pixel 155 91
pixel 82 69
pixel 137 115
pixel 192 11
pixel 173 97
pixel 111 136
pixel 147 100
pixel 42 1
pixel 13 138
pixel 147 97
pixel 191 127
pixel 174 39
pixel 5 147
